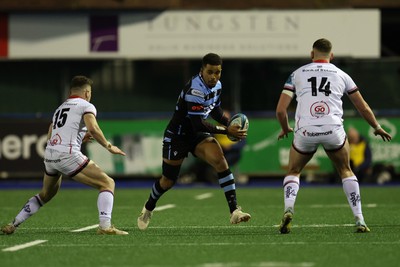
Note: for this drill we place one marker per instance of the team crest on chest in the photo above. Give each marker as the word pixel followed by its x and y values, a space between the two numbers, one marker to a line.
pixel 197 93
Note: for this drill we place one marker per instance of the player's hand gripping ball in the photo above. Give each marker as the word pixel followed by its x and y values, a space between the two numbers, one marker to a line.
pixel 241 120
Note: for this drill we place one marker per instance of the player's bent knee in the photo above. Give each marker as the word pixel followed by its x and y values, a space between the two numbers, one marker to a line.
pixel 216 159
pixel 104 183
pixel 171 172
pixel 166 183
pixel 110 183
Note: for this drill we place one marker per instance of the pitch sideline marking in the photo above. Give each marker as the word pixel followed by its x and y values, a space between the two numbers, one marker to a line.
pixel 203 196
pixel 229 244
pixel 260 264
pixel 224 226
pixel 85 228
pixel 26 245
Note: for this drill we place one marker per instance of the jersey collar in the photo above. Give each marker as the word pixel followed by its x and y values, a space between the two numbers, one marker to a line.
pixel 75 96
pixel 201 78
pixel 321 61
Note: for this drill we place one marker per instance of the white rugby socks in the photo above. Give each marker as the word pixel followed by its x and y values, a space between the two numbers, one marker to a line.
pixel 352 192
pixel 105 202
pixel 30 208
pixel 291 186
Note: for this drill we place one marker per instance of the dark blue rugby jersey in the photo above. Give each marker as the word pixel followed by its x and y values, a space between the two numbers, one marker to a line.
pixel 196 101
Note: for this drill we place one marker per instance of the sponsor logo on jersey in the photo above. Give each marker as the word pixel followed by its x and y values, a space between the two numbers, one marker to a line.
pixel 208 109
pixel 52 160
pixel 197 93
pixel 197 108
pixel 55 140
pixel 313 134
pixel 69 104
pixel 319 109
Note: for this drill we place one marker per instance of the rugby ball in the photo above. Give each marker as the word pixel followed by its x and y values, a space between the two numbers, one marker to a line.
pixel 241 120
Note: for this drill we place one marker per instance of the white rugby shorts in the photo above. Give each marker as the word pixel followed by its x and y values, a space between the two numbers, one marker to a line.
pixel 70 164
pixel 307 139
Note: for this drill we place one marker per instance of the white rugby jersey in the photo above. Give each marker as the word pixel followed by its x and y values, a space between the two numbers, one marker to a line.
pixel 68 125
pixel 319 87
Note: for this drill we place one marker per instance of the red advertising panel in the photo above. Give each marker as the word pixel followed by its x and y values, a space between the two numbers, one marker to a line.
pixel 3 35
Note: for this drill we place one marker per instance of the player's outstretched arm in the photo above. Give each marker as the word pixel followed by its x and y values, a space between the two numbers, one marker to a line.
pixel 365 111
pixel 95 131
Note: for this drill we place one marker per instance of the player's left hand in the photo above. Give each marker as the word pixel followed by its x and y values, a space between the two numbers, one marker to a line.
pixel 284 134
pixel 235 131
pixel 116 150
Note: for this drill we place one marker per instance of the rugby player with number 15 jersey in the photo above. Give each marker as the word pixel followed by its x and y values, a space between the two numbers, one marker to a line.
pixel 74 122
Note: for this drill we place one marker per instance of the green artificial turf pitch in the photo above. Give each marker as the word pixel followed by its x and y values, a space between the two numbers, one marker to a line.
pixel 195 231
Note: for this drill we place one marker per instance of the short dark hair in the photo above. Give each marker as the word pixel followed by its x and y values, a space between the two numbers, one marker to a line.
pixel 212 59
pixel 323 45
pixel 80 81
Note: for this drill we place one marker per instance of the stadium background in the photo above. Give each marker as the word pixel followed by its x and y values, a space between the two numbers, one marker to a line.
pixel 135 96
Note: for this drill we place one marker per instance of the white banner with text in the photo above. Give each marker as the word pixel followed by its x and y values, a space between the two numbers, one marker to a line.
pixel 191 34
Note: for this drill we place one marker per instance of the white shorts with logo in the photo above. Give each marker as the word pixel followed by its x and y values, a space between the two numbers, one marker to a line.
pixel 70 164
pixel 308 138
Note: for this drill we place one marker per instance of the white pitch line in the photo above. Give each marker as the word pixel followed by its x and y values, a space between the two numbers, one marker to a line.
pixel 320 225
pixel 250 226
pixel 85 228
pixel 318 206
pixel 203 196
pixel 258 264
pixel 216 226
pixel 227 244
pixel 165 207
pixel 26 245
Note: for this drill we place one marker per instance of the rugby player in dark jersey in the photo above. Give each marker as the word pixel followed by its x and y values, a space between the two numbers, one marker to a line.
pixel 188 131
